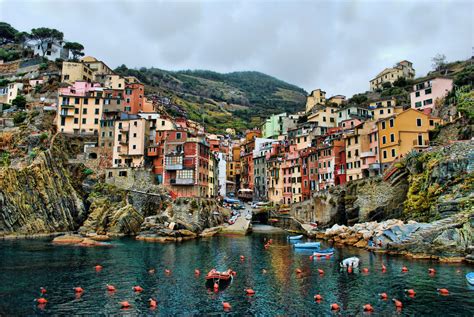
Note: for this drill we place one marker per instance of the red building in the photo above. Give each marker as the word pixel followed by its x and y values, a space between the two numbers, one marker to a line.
pixel 134 97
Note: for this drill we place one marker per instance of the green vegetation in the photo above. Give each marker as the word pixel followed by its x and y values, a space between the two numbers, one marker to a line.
pixel 75 48
pixel 87 171
pixel 45 36
pixel 19 102
pixel 19 117
pixel 465 101
pixel 43 136
pixel 239 100
pixel 5 159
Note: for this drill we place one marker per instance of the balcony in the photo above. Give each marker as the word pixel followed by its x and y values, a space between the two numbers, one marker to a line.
pixel 183 181
pixel 67 106
pixel 424 143
pixel 67 114
pixel 374 166
pixel 173 162
pixel 123 128
pixel 367 154
pixel 152 151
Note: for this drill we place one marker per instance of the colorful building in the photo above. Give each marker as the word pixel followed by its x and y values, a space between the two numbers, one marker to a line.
pixel 403 69
pixel 316 97
pixel 426 93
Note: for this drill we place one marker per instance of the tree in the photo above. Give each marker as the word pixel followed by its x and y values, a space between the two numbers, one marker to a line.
pixel 19 102
pixel 45 36
pixel 439 62
pixel 7 32
pixel 386 85
pixel 75 48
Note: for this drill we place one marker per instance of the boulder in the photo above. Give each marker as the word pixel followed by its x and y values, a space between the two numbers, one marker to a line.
pixel 68 239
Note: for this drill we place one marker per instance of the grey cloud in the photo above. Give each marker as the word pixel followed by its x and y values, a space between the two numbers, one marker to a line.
pixel 335 45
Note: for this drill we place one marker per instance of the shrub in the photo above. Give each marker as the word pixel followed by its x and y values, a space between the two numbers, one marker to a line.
pixel 19 117
pixel 43 66
pixel 5 159
pixel 43 136
pixel 87 171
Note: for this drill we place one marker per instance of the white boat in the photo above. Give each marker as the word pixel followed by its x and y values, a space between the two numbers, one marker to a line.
pixel 470 278
pixel 308 245
pixel 295 237
pixel 350 262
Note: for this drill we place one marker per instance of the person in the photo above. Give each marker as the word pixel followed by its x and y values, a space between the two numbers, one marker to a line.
pixel 371 241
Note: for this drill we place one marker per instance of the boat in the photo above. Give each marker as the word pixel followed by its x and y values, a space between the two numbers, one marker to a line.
pixel 222 279
pixel 470 278
pixel 295 237
pixel 350 262
pixel 329 251
pixel 308 245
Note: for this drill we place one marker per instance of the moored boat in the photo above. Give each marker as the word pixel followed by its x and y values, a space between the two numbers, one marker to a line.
pixel 308 245
pixel 295 237
pixel 350 262
pixel 222 279
pixel 470 278
pixel 329 251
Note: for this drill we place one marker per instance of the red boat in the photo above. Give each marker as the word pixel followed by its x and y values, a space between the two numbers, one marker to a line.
pixel 222 279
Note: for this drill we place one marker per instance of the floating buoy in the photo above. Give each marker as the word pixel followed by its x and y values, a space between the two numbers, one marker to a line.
pixel 78 289
pixel 335 306
pixel 250 291
pixel 398 304
pixel 226 305
pixel 270 241
pixel 328 256
pixel 411 292
pixel 41 301
pixel 383 296
pixel 152 303
pixel 368 308
pixel 138 288
pixel 318 297
pixel 124 304
pixel 266 246
pixel 443 291
pixel 349 269
pixel 42 290
pixel 98 267
pixel 151 271
pixel 110 288
pixel 264 271
pixel 311 257
pixel 384 268
pixel 365 270
pixel 168 272
pixel 298 271
pixel 431 271
pixel 404 269
pixel 242 258
pixel 216 287
pixel 320 271
pixel 197 272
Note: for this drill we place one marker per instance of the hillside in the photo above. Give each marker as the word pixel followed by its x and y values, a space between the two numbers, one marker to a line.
pixel 239 100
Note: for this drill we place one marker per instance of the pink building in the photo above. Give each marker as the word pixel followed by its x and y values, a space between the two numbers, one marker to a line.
pixel 425 93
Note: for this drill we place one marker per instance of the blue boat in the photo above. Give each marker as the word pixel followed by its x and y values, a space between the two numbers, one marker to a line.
pixel 470 278
pixel 329 251
pixel 295 237
pixel 308 245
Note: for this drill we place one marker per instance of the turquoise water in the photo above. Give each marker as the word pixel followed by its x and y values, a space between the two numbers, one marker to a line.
pixel 25 266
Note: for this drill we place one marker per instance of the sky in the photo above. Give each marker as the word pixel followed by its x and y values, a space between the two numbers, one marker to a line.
pixel 337 46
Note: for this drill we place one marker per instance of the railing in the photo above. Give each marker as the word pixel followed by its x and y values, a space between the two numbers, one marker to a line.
pixel 182 181
pixel 367 154
pixel 374 166
pixel 423 143
pixel 173 163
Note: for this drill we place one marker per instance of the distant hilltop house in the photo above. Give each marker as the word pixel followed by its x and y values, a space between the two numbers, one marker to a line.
pixel 316 97
pixel 54 50
pixel 426 92
pixel 403 69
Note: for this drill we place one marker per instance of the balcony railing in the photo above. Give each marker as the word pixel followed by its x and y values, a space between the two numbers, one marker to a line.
pixel 173 163
pixel 367 154
pixel 424 143
pixel 374 166
pixel 182 181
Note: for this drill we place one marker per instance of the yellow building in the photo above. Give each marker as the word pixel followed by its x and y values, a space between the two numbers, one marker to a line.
pixel 14 89
pixel 324 117
pixel 275 180
pixel 80 108
pixel 403 69
pixel 403 132
pixel 73 71
pixel 337 99
pixel 317 97
pixel 114 82
pixel 98 67
pixel 130 143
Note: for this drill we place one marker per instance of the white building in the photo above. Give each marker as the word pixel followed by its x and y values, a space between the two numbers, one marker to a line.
pixel 54 50
pixel 222 174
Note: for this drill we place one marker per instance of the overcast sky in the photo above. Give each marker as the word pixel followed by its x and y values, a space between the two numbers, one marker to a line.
pixel 334 45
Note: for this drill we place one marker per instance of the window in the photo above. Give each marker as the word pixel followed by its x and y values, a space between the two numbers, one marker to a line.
pixel 97 101
pixel 428 91
pixel 417 94
pixel 391 123
pixel 428 102
pixel 418 122
pixel 84 121
pixel 123 174
pixel 331 119
pixel 383 125
pixel 178 135
pixel 134 135
pixel 393 153
pixel 96 121
pixel 431 123
pixel 389 110
pixel 76 110
pixel 381 111
pixel 392 137
pixel 349 154
pixel 76 120
pixel 384 154
pixel 86 101
pixel 384 139
pixel 134 147
pixel 84 111
pixel 418 104
pixel 76 101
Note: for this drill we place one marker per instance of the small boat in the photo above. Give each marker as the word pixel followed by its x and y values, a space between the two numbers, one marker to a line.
pixel 308 245
pixel 350 262
pixel 470 278
pixel 222 279
pixel 329 251
pixel 295 237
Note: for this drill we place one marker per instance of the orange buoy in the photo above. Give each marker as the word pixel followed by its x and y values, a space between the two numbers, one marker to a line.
pixel 250 291
pixel 335 306
pixel 368 308
pixel 298 271
pixel 327 256
pixel 431 271
pixel 42 290
pixel 410 292
pixel 320 271
pixel 234 273
pixel 318 297
pixel 384 268
pixel 404 269
pixel 98 267
pixel 311 257
pixel 197 272
pixel 226 305
pixel 151 271
pixel 443 291
pixel 124 304
pixel 349 269
pixel 266 246
pixel 270 241
pixel 242 258
pixel 110 288
pixel 318 255
pixel 216 287
pixel 138 288
pixel 152 303
pixel 365 270
pixel 168 272
pixel 41 301
pixel 78 289
pixel 383 296
pixel 398 304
